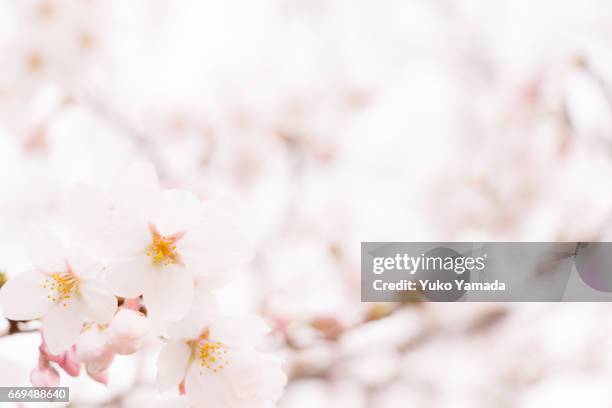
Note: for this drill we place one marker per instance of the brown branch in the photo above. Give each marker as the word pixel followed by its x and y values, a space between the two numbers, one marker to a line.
pixel 14 328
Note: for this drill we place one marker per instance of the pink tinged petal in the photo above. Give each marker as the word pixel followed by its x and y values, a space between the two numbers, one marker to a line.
pixel 204 310
pixel 45 250
pixel 71 363
pixel 101 377
pixel 42 361
pixel 127 276
pixel 62 325
pixel 46 354
pixel 172 364
pixel 93 351
pixel 97 297
pixel 127 332
pixel 45 377
pixel 239 332
pixel 24 297
pixel 168 292
pixel 177 212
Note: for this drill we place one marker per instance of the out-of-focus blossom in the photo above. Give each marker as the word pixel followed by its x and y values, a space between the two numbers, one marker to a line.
pixel 54 44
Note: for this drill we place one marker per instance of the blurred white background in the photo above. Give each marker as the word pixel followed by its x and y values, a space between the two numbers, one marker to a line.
pixel 324 123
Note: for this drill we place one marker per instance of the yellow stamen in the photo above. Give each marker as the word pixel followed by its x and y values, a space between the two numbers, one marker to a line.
pixel 163 249
pixel 212 355
pixel 62 287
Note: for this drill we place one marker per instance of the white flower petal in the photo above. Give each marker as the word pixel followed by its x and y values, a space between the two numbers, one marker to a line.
pixel 172 364
pixel 239 332
pixel 45 250
pixel 168 292
pixel 216 247
pixel 257 376
pixel 213 281
pixel 127 276
pixel 204 310
pixel 24 297
pixel 82 263
pixel 100 302
pixel 92 350
pixel 168 399
pixel 145 396
pixel 207 388
pixel 62 325
pixel 177 211
pixel 127 237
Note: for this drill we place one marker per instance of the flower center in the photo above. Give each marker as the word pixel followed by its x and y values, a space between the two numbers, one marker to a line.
pixel 163 249
pixel 62 287
pixel 212 355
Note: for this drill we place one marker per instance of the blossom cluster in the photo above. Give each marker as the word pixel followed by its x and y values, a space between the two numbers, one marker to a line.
pixel 137 262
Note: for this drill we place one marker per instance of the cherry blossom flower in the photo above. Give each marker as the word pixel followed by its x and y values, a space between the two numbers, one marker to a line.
pixel 64 289
pixel 157 241
pixel 217 362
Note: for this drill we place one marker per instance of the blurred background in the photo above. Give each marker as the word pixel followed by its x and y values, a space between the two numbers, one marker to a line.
pixel 321 124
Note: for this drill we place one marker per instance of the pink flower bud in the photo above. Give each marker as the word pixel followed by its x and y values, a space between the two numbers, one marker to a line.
pixel 92 350
pixel 44 377
pixel 56 358
pixel 127 331
pixel 101 377
pixel 71 363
